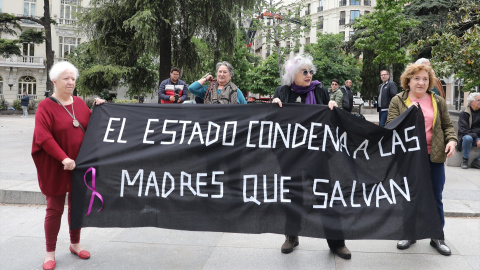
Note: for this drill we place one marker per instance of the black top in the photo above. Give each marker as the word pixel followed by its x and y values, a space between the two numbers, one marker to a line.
pixel 286 95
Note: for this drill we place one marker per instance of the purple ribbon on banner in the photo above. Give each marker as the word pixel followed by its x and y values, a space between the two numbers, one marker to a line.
pixel 94 191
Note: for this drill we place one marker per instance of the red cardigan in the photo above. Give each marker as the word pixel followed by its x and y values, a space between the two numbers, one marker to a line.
pixel 54 139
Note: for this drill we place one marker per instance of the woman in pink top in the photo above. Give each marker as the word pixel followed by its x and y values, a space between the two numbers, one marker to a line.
pixel 418 80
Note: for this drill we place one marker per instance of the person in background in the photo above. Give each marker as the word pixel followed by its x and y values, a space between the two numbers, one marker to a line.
pixel 437 84
pixel 417 80
pixel 298 87
pixel 336 97
pixel 221 90
pixel 24 103
pixel 386 91
pixel 60 123
pixel 172 90
pixel 347 102
pixel 469 130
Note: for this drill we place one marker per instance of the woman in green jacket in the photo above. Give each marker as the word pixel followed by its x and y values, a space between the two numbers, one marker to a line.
pixel 418 81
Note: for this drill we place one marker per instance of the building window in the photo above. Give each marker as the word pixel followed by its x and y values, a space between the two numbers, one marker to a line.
pixel 343 3
pixel 367 2
pixel 320 6
pixel 342 17
pixel 288 43
pixel 307 41
pixel 67 45
pixel 350 34
pixel 29 7
pixel 68 11
pixel 342 33
pixel 27 84
pixel 367 12
pixel 307 12
pixel 354 2
pixel 28 52
pixel 354 14
pixel 320 23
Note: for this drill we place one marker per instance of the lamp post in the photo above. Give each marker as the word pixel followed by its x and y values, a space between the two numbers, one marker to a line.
pixel 10 84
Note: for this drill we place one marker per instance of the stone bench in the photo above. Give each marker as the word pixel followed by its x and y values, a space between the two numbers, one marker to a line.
pixel 456 160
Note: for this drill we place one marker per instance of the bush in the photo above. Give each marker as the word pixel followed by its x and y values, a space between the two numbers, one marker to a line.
pixel 4 104
pixel 32 105
pixel 17 105
pixel 125 100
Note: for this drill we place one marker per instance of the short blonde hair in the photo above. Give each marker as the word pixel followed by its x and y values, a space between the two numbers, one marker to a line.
pixel 413 69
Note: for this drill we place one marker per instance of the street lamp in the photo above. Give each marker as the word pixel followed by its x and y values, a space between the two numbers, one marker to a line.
pixel 10 84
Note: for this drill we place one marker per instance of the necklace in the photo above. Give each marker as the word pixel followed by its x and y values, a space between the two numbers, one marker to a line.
pixel 75 121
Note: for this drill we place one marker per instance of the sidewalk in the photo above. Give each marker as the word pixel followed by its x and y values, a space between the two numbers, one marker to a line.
pixel 22 213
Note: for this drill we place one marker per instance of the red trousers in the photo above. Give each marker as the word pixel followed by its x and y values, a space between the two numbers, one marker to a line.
pixel 53 219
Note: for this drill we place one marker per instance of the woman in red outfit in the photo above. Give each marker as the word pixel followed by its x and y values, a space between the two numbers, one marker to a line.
pixel 60 123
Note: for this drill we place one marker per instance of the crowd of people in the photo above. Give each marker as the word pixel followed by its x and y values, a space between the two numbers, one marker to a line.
pixel 61 121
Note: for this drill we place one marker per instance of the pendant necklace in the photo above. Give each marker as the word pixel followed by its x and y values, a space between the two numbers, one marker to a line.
pixel 75 121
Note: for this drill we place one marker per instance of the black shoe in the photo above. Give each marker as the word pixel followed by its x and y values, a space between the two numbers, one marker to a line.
pixel 441 247
pixel 464 164
pixel 342 252
pixel 289 244
pixel 404 244
pixel 476 163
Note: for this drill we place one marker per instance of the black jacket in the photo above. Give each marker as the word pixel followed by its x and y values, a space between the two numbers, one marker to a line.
pixel 321 94
pixel 390 89
pixel 347 102
pixel 466 127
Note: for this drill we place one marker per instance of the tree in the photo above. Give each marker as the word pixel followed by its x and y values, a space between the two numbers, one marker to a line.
pixel 382 32
pixel 160 29
pixel 333 62
pixel 265 77
pixel 283 29
pixel 456 49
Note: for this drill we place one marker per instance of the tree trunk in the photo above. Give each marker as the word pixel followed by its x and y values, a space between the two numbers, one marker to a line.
pixel 165 50
pixel 47 24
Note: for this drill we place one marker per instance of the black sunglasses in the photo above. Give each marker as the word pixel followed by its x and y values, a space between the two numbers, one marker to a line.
pixel 305 72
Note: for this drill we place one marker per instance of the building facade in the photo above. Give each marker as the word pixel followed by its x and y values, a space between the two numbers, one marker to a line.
pixel 327 16
pixel 28 71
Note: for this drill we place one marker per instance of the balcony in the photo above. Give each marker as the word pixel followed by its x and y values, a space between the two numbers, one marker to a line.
pixel 72 22
pixel 32 97
pixel 367 3
pixel 343 3
pixel 23 61
pixel 342 21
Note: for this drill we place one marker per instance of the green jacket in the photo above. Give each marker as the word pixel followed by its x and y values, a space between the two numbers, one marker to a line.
pixel 442 129
pixel 337 96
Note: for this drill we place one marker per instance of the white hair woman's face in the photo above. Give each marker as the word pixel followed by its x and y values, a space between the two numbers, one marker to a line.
pixel 303 77
pixel 223 75
pixel 65 83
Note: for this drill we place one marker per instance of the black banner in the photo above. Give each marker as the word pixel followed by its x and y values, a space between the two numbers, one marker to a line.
pixel 298 170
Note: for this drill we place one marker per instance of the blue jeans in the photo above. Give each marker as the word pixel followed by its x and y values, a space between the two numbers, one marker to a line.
pixel 382 117
pixel 467 144
pixel 437 174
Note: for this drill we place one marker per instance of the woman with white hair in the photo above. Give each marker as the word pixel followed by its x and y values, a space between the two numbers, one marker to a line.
pixel 60 123
pixel 220 90
pixel 299 87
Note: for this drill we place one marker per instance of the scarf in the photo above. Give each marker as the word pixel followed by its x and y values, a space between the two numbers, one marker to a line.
pixel 310 99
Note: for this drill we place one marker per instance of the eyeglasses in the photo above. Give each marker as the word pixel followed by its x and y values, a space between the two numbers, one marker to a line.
pixel 305 72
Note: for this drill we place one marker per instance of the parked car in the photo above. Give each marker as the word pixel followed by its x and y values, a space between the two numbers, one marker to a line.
pixel 357 100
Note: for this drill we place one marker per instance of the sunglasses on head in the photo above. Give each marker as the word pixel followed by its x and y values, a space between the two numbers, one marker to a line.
pixel 305 72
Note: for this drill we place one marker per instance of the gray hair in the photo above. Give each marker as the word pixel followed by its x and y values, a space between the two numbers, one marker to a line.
pixel 292 66
pixel 59 68
pixel 471 97
pixel 422 61
pixel 225 63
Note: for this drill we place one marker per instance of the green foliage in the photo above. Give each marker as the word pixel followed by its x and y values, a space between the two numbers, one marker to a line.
pixel 32 36
pixel 456 49
pixel 97 78
pixel 32 105
pixel 125 101
pixel 333 62
pixel 4 104
pixel 9 47
pixel 382 32
pixel 265 77
pixel 17 105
